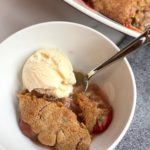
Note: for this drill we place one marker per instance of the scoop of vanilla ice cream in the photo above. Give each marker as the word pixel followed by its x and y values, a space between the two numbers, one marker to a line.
pixel 49 69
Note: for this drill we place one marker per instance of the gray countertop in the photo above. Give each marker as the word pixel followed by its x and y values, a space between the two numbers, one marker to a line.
pixel 138 135
pixel 17 14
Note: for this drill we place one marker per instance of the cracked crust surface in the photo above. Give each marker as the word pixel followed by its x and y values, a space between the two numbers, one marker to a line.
pixel 53 124
pixel 121 11
pixel 90 110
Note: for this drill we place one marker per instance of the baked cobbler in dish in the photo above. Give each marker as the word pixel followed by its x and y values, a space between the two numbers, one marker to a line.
pixel 134 14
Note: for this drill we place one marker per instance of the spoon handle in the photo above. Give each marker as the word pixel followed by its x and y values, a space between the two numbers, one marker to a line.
pixel 135 44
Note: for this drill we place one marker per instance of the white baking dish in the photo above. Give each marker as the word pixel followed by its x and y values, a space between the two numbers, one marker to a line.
pixel 80 5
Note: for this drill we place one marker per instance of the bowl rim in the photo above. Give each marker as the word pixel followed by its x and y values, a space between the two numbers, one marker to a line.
pixel 103 19
pixel 119 138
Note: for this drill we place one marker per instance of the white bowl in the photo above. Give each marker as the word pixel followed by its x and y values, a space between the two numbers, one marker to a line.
pixel 80 5
pixel 86 49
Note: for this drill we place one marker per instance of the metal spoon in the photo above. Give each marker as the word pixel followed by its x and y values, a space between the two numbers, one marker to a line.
pixel 139 42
